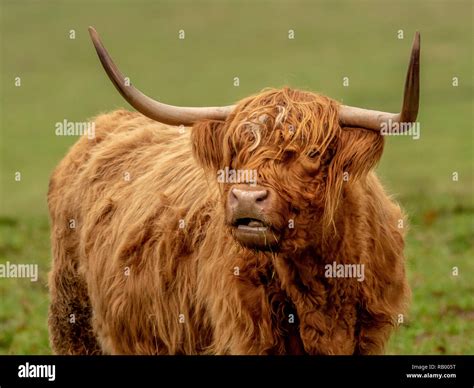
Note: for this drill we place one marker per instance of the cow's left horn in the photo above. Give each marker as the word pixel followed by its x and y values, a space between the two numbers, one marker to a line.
pixel 168 114
pixel 375 120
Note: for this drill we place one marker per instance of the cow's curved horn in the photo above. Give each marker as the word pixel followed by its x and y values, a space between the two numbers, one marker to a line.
pixel 370 119
pixel 168 114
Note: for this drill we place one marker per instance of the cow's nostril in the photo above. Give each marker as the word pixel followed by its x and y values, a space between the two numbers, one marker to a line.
pixel 261 195
pixel 234 194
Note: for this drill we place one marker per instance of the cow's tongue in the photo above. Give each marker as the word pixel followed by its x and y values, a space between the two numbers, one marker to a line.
pixel 255 224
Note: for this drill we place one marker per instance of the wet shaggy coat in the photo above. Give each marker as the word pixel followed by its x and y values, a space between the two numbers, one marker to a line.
pixel 145 263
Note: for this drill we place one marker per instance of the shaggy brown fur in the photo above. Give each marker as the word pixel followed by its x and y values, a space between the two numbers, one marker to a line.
pixel 151 266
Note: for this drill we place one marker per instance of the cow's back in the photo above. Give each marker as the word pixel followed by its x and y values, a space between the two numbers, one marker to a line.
pixel 119 204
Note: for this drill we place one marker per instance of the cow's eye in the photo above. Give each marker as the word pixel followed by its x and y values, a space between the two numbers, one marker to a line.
pixel 313 154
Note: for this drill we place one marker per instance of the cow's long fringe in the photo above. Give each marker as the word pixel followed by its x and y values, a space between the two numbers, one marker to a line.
pixel 296 121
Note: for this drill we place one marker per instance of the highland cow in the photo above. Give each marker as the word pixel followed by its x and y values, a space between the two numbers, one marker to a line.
pixel 154 255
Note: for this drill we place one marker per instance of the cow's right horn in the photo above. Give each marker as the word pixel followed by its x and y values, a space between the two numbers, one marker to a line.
pixel 375 120
pixel 168 114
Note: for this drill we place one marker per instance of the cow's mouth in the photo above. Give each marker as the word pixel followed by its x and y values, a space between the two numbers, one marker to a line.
pixel 254 233
pixel 250 224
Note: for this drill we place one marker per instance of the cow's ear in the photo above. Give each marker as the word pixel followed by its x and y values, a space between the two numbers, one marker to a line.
pixel 207 141
pixel 355 152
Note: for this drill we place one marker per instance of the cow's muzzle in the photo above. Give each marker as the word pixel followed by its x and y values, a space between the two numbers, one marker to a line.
pixel 248 213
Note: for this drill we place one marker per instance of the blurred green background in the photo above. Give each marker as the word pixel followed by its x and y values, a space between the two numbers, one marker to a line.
pixel 61 79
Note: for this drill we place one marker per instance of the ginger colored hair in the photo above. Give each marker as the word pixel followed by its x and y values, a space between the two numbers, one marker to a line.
pixel 181 295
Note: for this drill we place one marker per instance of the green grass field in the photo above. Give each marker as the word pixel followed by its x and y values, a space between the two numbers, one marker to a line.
pixel 61 79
